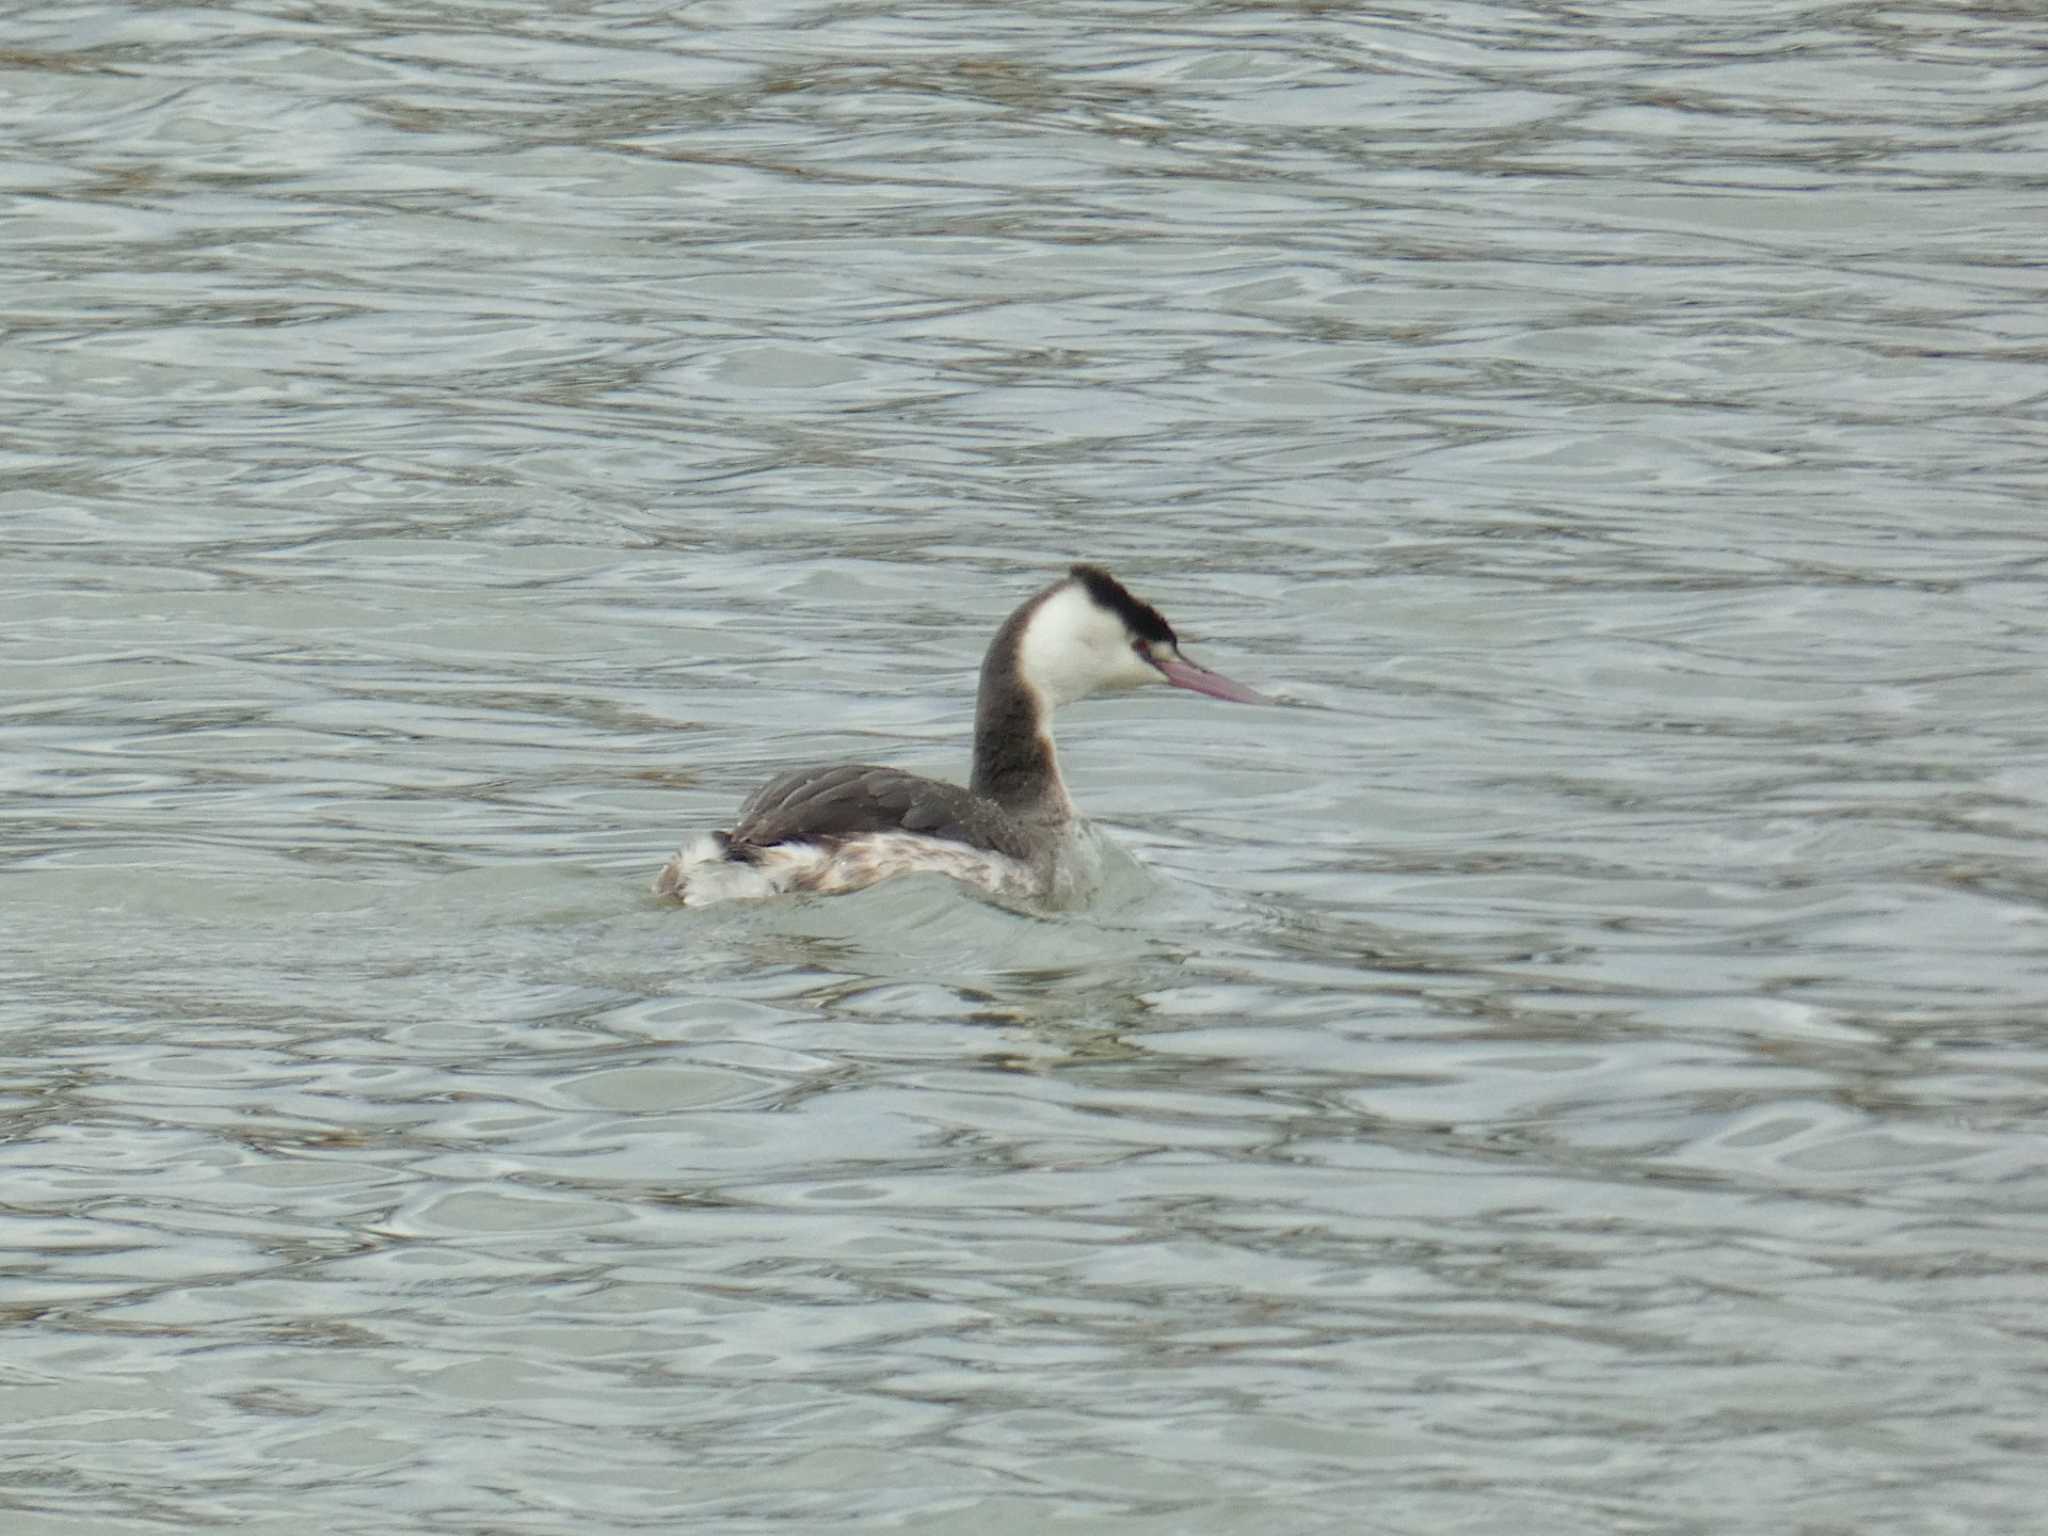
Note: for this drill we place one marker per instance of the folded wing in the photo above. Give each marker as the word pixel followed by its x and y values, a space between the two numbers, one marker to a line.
pixel 851 799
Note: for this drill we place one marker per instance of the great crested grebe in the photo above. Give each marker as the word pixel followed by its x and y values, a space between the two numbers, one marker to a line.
pixel 1012 832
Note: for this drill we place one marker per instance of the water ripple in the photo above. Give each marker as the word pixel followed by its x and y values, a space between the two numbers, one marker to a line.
pixel 1574 1067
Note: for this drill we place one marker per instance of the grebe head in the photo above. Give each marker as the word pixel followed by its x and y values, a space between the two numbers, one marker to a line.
pixel 1090 635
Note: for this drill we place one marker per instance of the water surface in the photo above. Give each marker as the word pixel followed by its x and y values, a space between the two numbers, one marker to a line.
pixel 1577 1066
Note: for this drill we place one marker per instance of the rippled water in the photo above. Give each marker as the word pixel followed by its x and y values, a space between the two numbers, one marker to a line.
pixel 1579 1067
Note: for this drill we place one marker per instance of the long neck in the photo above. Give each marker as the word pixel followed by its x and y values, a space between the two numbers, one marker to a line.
pixel 1014 763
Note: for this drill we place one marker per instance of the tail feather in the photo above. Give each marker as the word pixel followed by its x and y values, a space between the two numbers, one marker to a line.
pixel 714 868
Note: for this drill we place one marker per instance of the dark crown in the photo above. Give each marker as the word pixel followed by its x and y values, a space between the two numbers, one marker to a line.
pixel 1140 618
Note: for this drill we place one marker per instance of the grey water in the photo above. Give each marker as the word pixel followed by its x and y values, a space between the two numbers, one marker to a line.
pixel 1576 1065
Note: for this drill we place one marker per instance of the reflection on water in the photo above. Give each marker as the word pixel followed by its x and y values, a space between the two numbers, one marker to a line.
pixel 1576 1069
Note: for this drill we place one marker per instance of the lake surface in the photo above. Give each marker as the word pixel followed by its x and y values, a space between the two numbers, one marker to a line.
pixel 1577 1066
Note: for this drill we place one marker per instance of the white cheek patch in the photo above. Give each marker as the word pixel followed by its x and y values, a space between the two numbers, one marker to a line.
pixel 1072 648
